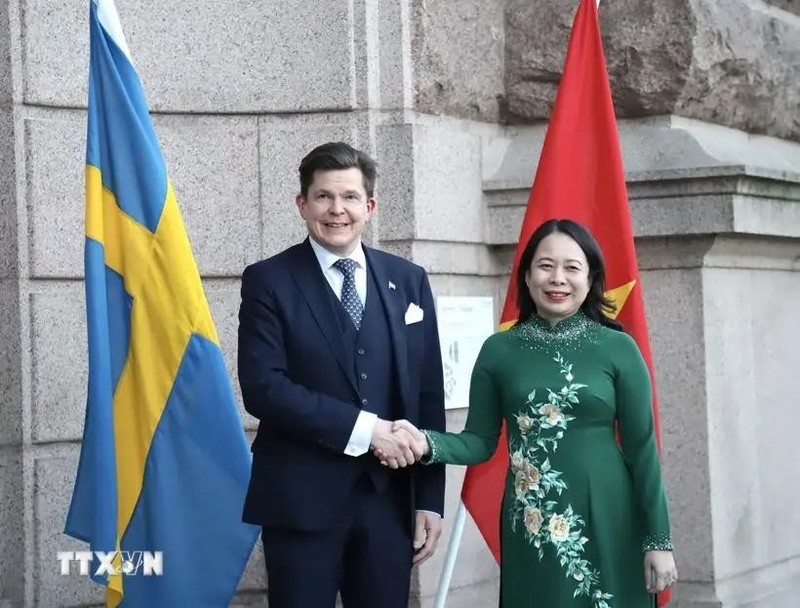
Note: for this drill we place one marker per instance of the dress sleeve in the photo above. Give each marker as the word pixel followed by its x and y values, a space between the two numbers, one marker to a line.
pixel 635 416
pixel 477 442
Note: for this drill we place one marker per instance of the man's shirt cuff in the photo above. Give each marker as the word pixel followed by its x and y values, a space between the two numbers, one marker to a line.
pixel 361 436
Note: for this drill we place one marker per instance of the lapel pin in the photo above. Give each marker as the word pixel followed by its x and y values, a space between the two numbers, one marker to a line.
pixel 391 285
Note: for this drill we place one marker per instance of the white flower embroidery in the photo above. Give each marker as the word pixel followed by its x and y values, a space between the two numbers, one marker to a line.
pixel 533 520
pixel 517 461
pixel 525 423
pixel 559 528
pixel 552 412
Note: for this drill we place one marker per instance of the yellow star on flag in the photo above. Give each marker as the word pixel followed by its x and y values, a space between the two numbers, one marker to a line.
pixel 619 295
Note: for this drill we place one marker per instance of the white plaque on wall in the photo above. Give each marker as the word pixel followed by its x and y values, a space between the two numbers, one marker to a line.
pixel 464 323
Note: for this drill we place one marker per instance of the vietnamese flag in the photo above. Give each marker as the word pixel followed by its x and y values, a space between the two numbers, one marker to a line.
pixel 580 177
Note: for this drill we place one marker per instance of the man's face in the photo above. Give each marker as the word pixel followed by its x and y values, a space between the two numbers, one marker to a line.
pixel 336 209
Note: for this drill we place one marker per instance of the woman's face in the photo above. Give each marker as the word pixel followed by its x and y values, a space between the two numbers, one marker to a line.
pixel 558 279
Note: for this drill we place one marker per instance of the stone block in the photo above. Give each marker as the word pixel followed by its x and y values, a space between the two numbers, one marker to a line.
pixel 447 176
pixel 719 200
pixel 673 300
pixel 213 166
pixel 682 215
pixel 53 481
pixel 8 190
pixel 403 249
pixel 202 56
pixel 458 58
pixel 283 144
pixel 744 70
pixel 751 418
pixel 503 222
pixel 536 44
pixel 774 587
pixel 396 207
pixel 389 40
pixel 466 259
pixel 767 217
pixel 786 5
pixel 677 142
pixel 54 176
pixel 12 524
pixel 6 46
pixel 654 150
pixel 59 364
pixel 726 62
pixel 55 52
pixel 433 176
pixel 10 369
pixel 223 298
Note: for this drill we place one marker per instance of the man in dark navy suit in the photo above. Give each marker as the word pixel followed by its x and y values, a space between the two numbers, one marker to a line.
pixel 337 341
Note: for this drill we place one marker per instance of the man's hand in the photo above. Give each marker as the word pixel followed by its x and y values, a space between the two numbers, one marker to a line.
pixel 407 436
pixel 392 448
pixel 659 571
pixel 419 442
pixel 427 531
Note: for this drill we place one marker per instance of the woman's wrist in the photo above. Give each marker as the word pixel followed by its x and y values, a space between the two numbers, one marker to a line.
pixel 430 455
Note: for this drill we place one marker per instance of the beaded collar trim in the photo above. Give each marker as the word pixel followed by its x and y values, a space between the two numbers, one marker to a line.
pixel 537 332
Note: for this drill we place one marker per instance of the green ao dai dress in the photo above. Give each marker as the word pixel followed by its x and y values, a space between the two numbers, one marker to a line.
pixel 579 511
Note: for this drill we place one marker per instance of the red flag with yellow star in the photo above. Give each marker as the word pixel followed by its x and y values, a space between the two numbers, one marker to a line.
pixel 580 177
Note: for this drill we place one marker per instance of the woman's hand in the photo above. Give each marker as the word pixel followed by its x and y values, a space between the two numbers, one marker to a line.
pixel 418 444
pixel 659 571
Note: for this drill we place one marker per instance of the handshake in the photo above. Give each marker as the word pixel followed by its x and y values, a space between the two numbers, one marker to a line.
pixel 398 444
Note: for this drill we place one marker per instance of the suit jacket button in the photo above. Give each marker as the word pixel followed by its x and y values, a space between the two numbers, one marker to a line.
pixel 361 351
pixel 364 401
pixel 363 376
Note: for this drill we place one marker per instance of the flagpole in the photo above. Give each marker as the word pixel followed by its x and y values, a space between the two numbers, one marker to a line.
pixel 450 557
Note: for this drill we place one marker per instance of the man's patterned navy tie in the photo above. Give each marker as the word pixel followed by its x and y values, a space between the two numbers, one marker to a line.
pixel 350 300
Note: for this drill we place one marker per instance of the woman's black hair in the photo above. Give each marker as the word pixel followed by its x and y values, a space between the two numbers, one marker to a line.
pixel 596 306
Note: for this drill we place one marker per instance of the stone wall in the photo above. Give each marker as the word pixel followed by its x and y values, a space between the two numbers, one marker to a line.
pixel 458 52
pixel 729 62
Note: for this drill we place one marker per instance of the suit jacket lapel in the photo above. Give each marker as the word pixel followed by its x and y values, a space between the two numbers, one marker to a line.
pixel 314 287
pixel 393 302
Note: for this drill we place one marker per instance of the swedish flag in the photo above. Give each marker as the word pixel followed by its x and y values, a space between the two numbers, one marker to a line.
pixel 164 463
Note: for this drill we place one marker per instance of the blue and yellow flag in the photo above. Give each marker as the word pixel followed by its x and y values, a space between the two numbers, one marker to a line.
pixel 164 462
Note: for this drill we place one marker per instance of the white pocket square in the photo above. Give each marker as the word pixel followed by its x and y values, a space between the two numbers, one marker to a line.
pixel 414 314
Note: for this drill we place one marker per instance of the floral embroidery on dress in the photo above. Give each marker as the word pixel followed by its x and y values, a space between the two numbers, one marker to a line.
pixel 541 425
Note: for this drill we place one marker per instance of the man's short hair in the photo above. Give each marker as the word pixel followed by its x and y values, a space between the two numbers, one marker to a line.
pixel 334 156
